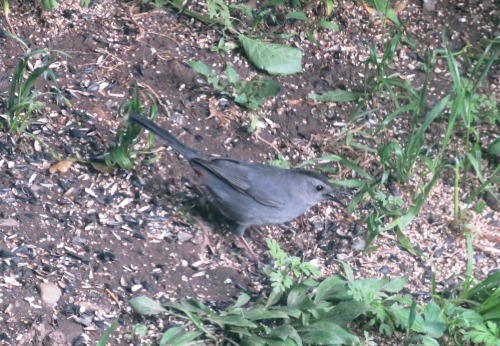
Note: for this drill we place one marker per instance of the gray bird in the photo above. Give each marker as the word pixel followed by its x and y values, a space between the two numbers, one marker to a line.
pixel 250 194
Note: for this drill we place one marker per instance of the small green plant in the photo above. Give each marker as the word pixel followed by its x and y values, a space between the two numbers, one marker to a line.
pixel 122 155
pixel 487 334
pixel 22 99
pixel 299 310
pixel 248 94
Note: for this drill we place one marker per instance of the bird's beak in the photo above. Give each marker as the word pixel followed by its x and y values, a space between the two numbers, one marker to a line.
pixel 333 196
pixel 335 193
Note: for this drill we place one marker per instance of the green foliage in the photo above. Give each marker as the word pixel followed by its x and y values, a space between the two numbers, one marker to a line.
pixel 249 94
pixel 494 147
pixel 218 9
pixel 286 269
pixel 310 24
pixel 103 340
pixel 487 334
pixel 22 99
pixel 402 160
pixel 272 58
pixel 304 311
pixel 384 9
pixel 121 154
pixel 49 4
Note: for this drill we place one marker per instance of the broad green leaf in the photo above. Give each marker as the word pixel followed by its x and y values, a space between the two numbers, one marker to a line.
pixel 232 321
pixel 286 331
pixel 264 314
pixel 243 298
pixel 325 24
pixel 296 15
pixel 271 57
pixel 146 306
pixel 232 75
pixel 269 88
pixel 329 286
pixel 140 330
pixel 395 285
pixel 336 96
pixel 176 337
pixel 200 67
pixel 274 297
pixel 297 296
pixel 196 306
pixel 326 333
pixel 494 147
pixel 345 312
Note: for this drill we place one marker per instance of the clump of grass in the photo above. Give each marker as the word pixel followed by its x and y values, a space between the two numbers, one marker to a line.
pixel 22 101
pixel 122 154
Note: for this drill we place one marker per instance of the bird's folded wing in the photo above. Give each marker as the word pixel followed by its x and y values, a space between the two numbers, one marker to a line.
pixel 236 174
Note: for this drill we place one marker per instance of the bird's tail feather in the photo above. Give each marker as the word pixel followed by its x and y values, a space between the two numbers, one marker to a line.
pixel 188 153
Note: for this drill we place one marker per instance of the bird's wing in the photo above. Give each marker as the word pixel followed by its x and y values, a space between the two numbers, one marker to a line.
pixel 235 174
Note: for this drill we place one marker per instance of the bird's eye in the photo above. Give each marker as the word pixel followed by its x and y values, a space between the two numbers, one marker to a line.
pixel 319 188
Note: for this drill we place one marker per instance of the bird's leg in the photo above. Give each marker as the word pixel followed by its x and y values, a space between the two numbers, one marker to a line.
pixel 239 232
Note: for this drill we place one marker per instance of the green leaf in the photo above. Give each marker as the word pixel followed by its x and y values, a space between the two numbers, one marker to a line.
pixel 271 57
pixel 232 75
pixel 258 314
pixel 329 7
pixel 432 323
pixel 296 15
pixel 140 330
pixel 176 336
pixel 336 96
pixel 274 297
pixel 326 333
pixel 325 24
pixel 494 147
pixel 146 306
pixel 243 298
pixel 328 287
pixel 103 340
pixel 297 296
pixel 269 88
pixel 196 307
pixel 284 332
pixel 394 285
pixel 383 8
pixel 345 312
pixel 200 67
pixel 232 321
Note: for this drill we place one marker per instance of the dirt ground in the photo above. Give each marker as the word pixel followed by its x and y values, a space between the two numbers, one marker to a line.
pixel 103 238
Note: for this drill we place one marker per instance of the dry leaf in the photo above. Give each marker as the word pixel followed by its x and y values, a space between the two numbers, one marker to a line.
pixel 61 166
pixel 369 9
pixel 400 6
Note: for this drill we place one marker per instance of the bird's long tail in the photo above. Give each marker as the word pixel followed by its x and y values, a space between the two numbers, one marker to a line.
pixel 188 153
